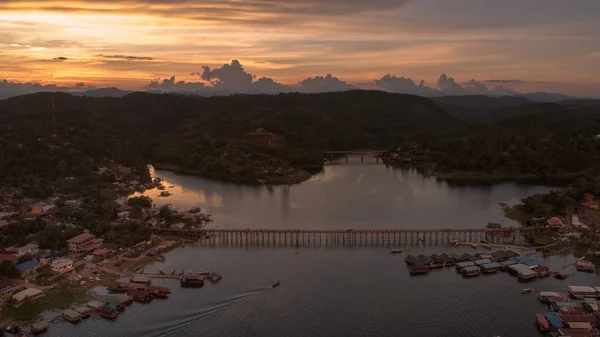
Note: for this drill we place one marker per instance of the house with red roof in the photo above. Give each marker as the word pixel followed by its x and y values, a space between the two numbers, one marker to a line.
pixel 555 222
pixel 8 257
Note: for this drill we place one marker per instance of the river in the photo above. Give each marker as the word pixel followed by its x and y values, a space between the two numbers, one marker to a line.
pixel 335 291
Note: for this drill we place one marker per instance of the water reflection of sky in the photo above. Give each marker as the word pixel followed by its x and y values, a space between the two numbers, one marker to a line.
pixel 345 196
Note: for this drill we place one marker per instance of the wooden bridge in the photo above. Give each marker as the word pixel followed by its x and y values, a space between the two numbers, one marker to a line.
pixel 347 238
pixel 362 153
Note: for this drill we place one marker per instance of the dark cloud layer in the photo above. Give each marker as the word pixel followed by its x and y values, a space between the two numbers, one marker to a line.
pixel 233 78
pixel 9 89
pixel 402 84
pixel 275 10
pixel 61 58
pixel 505 81
pixel 170 85
pixel 324 84
pixel 127 58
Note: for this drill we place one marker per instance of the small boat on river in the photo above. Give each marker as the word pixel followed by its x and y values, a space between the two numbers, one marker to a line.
pixel 396 251
pixel 527 290
pixel 276 284
pixel 12 327
pixel 419 270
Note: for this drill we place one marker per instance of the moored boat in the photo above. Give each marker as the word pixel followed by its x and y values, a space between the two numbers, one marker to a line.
pixel 527 290
pixel 107 312
pixel 12 327
pixel 142 296
pixel 191 281
pixel 71 316
pixel 83 311
pixel 418 270
pixel 39 327
pixel 116 288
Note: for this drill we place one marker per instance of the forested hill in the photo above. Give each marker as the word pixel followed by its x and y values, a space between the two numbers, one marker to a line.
pixel 251 138
pixel 240 137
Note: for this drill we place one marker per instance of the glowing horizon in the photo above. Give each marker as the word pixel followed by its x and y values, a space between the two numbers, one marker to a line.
pixel 542 45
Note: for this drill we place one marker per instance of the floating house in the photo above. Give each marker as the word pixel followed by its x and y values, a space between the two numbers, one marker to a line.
pixel 95 305
pixel 522 271
pixel 482 262
pixel 490 267
pixel 141 279
pixel 582 291
pixel 471 271
pixel 39 327
pixel 545 296
pixel 71 315
pixel 461 265
pixel 507 263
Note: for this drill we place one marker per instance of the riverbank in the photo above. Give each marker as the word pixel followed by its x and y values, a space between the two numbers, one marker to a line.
pixel 296 177
pixel 491 178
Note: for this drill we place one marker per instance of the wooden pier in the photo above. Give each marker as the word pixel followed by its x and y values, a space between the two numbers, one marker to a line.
pixel 346 238
pixel 160 276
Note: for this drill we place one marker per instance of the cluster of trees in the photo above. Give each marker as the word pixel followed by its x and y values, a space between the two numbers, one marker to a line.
pixel 9 270
pixel 216 136
pixel 553 203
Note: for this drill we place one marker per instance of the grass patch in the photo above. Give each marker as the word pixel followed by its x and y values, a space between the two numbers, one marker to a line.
pixel 62 297
pixel 129 265
pixel 594 214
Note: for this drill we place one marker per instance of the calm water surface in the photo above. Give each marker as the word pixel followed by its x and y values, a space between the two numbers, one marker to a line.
pixel 346 196
pixel 335 291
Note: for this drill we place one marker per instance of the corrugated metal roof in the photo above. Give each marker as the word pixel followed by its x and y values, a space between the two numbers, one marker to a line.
pixel 28 265
pixel 471 268
pixel 554 321
pixel 491 265
pixel 465 264
pixel 582 289
pixel 579 325
pixel 482 261
pixel 522 269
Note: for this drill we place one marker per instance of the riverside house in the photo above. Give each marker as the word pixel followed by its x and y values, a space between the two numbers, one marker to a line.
pixel 83 243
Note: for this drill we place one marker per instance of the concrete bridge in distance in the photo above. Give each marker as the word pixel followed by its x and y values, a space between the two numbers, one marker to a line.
pixel 362 153
pixel 346 238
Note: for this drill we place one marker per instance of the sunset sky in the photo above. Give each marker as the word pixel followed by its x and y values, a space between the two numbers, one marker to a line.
pixel 523 45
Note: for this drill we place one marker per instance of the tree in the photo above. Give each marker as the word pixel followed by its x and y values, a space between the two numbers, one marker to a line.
pixel 136 212
pixel 24 258
pixel 142 201
pixel 8 269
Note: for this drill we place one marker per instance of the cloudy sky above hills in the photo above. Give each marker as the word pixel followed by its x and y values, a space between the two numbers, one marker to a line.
pixel 484 46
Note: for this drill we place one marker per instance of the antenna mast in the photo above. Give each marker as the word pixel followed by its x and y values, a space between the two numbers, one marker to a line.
pixel 53 107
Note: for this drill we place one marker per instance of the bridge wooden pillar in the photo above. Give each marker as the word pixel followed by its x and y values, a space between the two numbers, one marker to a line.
pixel 346 158
pixel 362 157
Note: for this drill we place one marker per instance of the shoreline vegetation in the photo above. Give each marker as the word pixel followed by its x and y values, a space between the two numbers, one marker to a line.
pixel 297 176
pixel 280 139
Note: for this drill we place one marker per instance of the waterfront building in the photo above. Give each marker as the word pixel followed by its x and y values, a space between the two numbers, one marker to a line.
pixel 83 243
pixel 27 294
pixel 7 288
pixel 28 249
pixel 62 266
